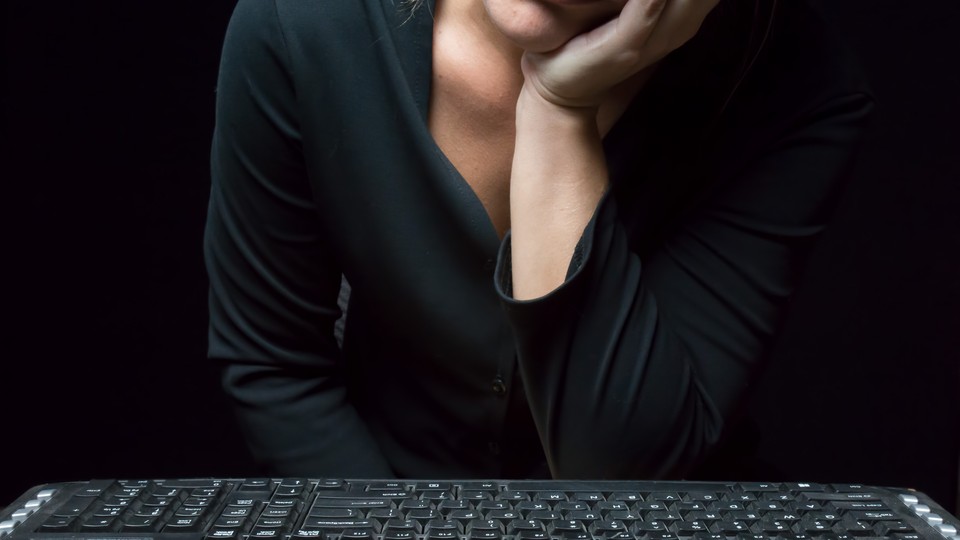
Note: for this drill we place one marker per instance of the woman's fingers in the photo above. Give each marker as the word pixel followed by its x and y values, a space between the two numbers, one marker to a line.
pixel 581 71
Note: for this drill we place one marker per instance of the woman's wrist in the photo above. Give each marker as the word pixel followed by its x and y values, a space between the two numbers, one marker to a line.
pixel 536 112
pixel 558 176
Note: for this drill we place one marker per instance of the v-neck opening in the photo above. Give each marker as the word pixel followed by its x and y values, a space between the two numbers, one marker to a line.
pixel 422 89
pixel 491 237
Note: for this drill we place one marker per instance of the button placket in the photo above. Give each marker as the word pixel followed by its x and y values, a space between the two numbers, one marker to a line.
pixel 499 386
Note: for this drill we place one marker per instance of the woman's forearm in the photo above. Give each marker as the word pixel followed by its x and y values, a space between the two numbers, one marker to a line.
pixel 559 175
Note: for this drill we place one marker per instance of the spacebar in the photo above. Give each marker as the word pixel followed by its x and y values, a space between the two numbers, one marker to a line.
pixel 614 485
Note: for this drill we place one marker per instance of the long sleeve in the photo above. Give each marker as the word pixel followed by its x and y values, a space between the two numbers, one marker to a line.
pixel 273 281
pixel 632 367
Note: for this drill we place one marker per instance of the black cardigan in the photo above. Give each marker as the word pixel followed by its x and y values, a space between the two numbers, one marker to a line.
pixel 723 172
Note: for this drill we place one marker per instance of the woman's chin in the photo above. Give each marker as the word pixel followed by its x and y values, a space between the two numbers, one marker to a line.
pixel 539 42
pixel 539 27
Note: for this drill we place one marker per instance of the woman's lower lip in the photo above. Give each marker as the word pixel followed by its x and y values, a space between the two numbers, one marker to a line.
pixel 576 2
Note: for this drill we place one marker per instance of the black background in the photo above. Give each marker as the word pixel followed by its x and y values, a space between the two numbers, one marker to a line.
pixel 107 117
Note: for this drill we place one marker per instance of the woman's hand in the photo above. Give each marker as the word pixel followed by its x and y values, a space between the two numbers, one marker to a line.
pixel 584 69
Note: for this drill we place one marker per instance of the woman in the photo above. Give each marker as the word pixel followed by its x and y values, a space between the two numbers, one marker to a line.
pixel 570 228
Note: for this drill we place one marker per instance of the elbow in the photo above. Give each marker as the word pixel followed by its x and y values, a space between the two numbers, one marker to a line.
pixel 656 442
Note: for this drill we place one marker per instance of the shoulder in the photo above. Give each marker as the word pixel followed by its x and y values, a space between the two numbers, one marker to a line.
pixel 805 52
pixel 802 65
pixel 761 71
pixel 313 21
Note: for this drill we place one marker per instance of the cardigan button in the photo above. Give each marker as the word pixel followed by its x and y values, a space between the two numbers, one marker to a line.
pixel 499 387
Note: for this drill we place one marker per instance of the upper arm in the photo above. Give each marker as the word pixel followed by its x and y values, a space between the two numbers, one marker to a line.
pixel 724 277
pixel 273 284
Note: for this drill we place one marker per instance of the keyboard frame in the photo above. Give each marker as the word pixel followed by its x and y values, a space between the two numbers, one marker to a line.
pixel 893 496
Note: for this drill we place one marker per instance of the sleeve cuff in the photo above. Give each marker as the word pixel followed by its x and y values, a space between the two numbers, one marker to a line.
pixel 503 275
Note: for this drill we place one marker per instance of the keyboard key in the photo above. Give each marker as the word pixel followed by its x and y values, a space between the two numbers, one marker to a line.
pixel 184 524
pixel 74 507
pixel 99 524
pixel 641 528
pixel 223 534
pixel 255 484
pixel 703 496
pixel 352 503
pixel 630 497
pixel 331 485
pixel 239 511
pixel 271 523
pixel 665 517
pixel 586 516
pixel 619 535
pixel 511 496
pixel 553 496
pixel 889 528
pixel 662 536
pixel 475 495
pixel 759 487
pixel 863 506
pixel 816 527
pixel 689 528
pixel 335 525
pixel 97 488
pixel 607 525
pixel 384 514
pixel 775 528
pixel 855 496
pixel 526 507
pixel 357 534
pixel 399 535
pixel 605 507
pixel 301 534
pixel 804 487
pixel 702 516
pixel 276 512
pixel 423 515
pixel 231 522
pixel 544 515
pixel 334 513
pixel 439 533
pixel 480 534
pixel 663 496
pixel 190 483
pixel 109 511
pixel 58 524
pixel 265 534
pixel 503 516
pixel 402 525
pixel 587 496
pixel 141 524
pixel 289 491
pixel 628 516
pixel 450 505
pixel 205 492
pixel 484 525
pixel 190 511
pixel 464 516
pixel 435 495
pixel 731 528
pixel 519 525
pixel 481 486
pixel 21 514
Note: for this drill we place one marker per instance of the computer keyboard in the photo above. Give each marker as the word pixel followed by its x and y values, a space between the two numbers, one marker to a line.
pixel 344 509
